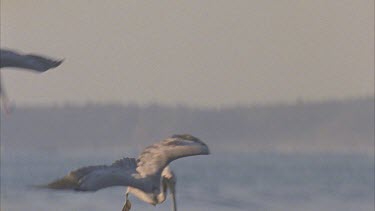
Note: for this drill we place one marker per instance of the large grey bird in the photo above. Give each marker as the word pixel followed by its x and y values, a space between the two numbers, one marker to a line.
pixel 148 177
pixel 13 59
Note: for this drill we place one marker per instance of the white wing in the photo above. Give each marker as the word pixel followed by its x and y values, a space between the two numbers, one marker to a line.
pixel 93 178
pixel 156 157
pixel 33 62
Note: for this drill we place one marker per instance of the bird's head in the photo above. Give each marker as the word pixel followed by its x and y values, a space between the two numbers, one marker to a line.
pixel 189 140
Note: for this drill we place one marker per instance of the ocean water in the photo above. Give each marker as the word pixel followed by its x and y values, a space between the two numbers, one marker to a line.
pixel 221 181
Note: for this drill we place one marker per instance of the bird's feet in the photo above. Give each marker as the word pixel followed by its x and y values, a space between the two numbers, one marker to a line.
pixel 127 205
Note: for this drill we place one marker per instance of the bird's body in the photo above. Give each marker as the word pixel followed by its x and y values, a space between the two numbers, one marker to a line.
pixel 148 177
pixel 13 59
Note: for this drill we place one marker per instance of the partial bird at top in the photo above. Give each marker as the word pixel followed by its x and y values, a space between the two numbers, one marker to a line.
pixel 35 62
pixel 147 177
pixel 13 59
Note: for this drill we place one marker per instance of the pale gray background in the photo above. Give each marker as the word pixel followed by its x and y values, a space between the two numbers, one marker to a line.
pixel 200 53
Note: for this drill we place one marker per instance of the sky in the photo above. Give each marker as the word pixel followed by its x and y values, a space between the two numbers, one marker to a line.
pixel 196 53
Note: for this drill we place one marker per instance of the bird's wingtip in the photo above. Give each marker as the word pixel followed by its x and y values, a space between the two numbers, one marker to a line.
pixel 58 62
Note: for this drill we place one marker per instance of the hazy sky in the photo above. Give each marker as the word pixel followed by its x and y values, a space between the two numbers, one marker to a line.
pixel 204 53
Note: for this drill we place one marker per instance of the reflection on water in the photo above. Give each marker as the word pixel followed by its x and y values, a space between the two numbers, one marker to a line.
pixel 232 181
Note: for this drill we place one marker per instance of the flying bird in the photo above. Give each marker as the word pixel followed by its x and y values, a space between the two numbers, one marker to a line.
pixel 148 177
pixel 13 59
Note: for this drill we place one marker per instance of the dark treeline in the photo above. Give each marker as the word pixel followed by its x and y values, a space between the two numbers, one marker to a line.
pixel 342 125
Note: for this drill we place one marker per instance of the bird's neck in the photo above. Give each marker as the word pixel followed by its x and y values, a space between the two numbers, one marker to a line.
pixel 163 192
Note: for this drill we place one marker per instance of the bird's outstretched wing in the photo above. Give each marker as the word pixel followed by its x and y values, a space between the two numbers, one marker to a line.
pixel 156 157
pixel 38 63
pixel 131 172
pixel 92 178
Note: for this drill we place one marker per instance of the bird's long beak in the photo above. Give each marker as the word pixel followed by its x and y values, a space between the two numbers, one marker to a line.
pixel 172 188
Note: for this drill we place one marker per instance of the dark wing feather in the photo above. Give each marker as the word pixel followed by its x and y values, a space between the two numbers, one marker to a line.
pixel 32 62
pixel 93 178
pixel 72 179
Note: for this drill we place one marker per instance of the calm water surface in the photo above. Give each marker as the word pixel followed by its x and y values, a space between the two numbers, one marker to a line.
pixel 221 181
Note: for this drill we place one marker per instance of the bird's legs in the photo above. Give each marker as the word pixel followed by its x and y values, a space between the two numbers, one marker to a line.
pixel 127 204
pixel 4 99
